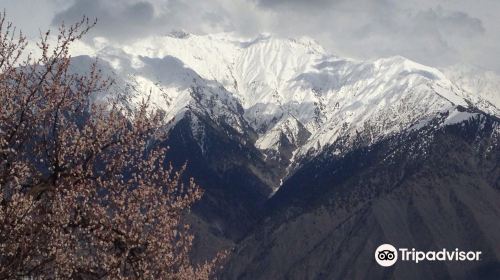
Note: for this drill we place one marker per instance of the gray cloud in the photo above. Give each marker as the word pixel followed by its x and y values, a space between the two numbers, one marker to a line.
pixel 130 19
pixel 432 32
pixel 117 20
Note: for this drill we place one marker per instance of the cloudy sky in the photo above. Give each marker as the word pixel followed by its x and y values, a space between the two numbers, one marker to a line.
pixel 433 32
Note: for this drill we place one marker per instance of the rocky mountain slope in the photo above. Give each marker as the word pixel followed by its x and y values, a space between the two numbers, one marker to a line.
pixel 427 189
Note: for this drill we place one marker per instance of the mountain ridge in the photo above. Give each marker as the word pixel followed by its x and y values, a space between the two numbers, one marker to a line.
pixel 262 81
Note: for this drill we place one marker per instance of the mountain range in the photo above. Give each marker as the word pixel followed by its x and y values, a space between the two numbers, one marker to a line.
pixel 310 160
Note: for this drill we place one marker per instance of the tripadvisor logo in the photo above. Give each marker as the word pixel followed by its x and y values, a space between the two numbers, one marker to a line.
pixel 387 255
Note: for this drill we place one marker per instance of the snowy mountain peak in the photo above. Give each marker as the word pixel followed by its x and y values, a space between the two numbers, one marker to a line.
pixel 287 90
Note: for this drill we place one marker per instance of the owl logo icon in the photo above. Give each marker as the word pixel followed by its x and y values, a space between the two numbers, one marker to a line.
pixel 386 255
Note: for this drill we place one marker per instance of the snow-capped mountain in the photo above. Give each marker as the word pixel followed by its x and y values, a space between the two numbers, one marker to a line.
pixel 289 91
pixel 309 160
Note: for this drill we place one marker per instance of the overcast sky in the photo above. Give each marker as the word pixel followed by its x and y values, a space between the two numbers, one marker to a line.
pixel 433 32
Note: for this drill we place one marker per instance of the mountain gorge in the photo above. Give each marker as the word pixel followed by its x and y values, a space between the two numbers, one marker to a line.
pixel 309 161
